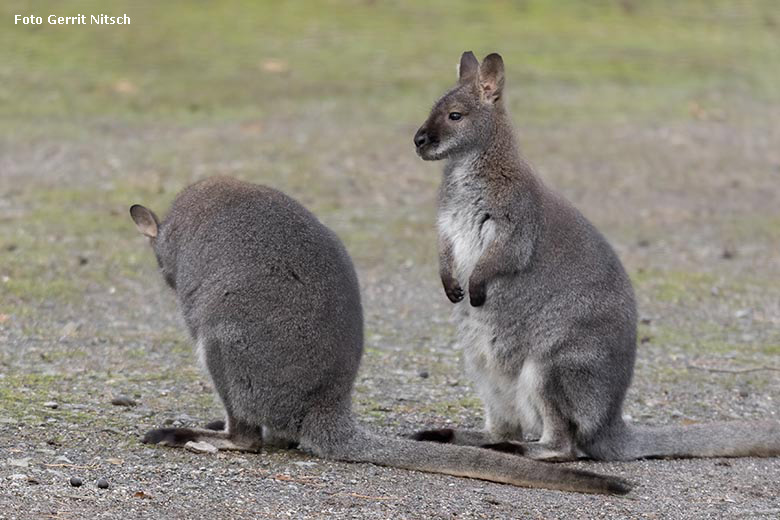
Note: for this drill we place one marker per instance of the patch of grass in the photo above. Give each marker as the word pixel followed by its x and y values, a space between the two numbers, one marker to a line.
pixel 673 286
pixel 568 57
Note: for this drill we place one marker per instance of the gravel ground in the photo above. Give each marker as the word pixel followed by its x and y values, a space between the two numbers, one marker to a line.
pixel 679 169
pixel 64 363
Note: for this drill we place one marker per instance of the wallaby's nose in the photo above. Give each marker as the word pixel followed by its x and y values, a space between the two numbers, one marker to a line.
pixel 420 138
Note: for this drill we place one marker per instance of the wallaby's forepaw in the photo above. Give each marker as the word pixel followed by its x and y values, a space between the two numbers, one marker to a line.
pixel 477 293
pixel 170 436
pixel 452 289
pixel 217 426
pixel 443 435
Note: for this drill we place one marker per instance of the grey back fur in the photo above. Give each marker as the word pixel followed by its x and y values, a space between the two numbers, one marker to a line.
pixel 272 301
pixel 546 313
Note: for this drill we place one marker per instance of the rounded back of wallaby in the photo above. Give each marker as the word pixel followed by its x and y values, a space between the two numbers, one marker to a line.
pixel 265 289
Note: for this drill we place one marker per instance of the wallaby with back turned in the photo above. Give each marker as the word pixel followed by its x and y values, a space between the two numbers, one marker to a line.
pixel 545 311
pixel 271 299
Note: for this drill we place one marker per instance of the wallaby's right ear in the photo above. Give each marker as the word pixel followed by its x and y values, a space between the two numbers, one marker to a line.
pixel 491 78
pixel 468 68
pixel 145 220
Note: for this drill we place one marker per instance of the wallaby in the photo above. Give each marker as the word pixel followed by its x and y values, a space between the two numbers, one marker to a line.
pixel 549 326
pixel 272 301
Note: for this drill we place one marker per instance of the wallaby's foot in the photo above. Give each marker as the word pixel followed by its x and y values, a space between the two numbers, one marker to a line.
pixel 515 448
pixel 217 426
pixel 462 437
pixel 222 440
pixel 170 436
pixel 443 435
pixel 548 452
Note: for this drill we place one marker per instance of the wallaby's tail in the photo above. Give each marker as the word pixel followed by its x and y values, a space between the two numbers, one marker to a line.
pixel 718 439
pixel 359 445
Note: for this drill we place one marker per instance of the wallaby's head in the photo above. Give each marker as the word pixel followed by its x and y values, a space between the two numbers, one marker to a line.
pixel 464 118
pixel 149 226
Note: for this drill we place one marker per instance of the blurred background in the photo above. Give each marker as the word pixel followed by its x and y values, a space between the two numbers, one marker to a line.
pixel 658 119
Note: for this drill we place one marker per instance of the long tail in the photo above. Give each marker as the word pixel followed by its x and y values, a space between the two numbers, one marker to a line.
pixel 718 439
pixel 359 445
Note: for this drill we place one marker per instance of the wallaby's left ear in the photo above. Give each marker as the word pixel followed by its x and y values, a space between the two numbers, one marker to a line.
pixel 468 67
pixel 491 78
pixel 145 220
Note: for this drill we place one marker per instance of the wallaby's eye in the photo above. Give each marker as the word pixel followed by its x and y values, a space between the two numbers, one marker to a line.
pixel 455 116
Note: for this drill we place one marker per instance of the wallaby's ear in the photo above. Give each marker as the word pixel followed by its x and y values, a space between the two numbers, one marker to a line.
pixel 491 78
pixel 468 67
pixel 145 220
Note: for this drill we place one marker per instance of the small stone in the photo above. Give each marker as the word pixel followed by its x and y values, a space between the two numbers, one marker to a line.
pixel 123 400
pixel 17 476
pixel 643 242
pixel 51 404
pixel 63 460
pixel 742 313
pixel 102 483
pixel 728 253
pixel 69 330
pixel 76 481
pixel 305 463
pixel 201 447
pixel 424 374
pixel 645 339
pixel 19 463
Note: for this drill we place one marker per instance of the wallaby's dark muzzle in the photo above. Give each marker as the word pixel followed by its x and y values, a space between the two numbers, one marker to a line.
pixel 421 138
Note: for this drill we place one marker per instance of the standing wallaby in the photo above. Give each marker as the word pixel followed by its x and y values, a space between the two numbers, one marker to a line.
pixel 549 324
pixel 271 299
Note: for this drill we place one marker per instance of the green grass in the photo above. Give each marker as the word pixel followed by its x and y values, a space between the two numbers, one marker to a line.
pixel 223 87
pixel 225 60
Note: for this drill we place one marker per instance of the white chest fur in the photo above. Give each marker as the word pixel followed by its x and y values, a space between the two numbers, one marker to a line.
pixel 462 221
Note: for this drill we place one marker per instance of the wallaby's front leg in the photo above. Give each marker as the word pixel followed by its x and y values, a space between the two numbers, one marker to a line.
pixel 508 252
pixel 452 288
pixel 494 262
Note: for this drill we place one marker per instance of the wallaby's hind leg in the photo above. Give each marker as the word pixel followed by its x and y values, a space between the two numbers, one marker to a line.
pixel 238 437
pixel 557 442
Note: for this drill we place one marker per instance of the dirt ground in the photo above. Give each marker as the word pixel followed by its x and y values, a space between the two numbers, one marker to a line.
pixel 667 140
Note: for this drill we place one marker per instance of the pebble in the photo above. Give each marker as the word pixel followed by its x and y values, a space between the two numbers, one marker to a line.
pixel 102 483
pixel 76 481
pixel 424 374
pixel 123 400
pixel 19 463
pixel 51 404
pixel 201 447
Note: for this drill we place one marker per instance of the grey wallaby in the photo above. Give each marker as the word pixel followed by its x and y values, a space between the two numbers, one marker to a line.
pixel 272 301
pixel 548 326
